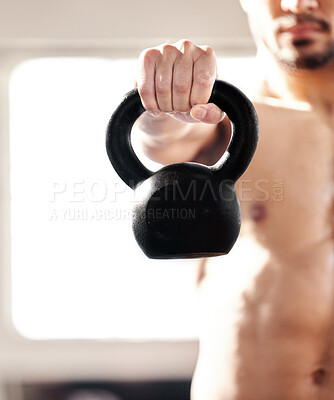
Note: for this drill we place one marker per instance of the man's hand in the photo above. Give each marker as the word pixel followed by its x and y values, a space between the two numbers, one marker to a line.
pixel 177 79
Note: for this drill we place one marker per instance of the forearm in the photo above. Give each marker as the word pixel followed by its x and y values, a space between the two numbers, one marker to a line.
pixel 167 140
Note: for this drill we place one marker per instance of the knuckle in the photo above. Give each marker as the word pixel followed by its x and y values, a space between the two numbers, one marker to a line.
pixel 181 87
pixel 150 54
pixel 186 44
pixel 163 89
pixel 169 49
pixel 204 80
pixel 207 50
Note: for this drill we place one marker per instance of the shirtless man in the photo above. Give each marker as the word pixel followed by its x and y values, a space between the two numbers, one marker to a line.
pixel 267 308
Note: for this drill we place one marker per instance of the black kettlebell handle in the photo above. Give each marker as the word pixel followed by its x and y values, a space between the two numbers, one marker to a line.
pixel 227 97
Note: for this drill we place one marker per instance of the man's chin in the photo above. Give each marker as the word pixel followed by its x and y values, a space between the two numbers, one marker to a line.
pixel 302 57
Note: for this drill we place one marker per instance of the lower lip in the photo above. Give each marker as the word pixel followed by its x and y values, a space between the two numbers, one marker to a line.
pixel 302 33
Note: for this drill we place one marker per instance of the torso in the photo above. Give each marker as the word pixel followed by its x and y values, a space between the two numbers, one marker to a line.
pixel 267 308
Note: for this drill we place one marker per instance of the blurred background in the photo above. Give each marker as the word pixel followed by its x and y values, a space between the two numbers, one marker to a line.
pixel 84 315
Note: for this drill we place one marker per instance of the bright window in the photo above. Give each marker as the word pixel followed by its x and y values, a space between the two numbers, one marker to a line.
pixel 76 269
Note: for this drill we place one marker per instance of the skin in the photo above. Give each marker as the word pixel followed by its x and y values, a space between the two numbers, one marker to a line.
pixel 266 309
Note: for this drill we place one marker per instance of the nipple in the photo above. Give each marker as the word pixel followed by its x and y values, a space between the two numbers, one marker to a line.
pixel 258 212
pixel 318 376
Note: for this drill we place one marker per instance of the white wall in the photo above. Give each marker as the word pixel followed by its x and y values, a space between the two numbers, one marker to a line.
pixel 128 23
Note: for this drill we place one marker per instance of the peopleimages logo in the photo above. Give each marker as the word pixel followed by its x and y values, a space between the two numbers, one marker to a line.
pixel 99 191
pixel 99 200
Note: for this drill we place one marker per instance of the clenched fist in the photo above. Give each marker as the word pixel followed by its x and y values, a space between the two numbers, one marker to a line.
pixel 177 79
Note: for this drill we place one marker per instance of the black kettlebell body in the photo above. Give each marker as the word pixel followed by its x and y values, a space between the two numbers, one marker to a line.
pixel 186 210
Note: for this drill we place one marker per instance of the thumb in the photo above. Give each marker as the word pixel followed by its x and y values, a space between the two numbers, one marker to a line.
pixel 207 113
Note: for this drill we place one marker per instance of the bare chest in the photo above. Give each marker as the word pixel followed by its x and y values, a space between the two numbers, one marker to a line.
pixel 287 192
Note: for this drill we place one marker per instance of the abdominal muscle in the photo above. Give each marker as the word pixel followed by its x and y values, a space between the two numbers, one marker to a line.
pixel 266 331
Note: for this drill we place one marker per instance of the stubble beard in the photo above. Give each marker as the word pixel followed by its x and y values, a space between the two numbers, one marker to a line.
pixel 295 54
pixel 293 57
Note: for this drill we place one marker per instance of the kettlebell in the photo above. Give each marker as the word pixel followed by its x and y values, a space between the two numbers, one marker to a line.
pixel 186 210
